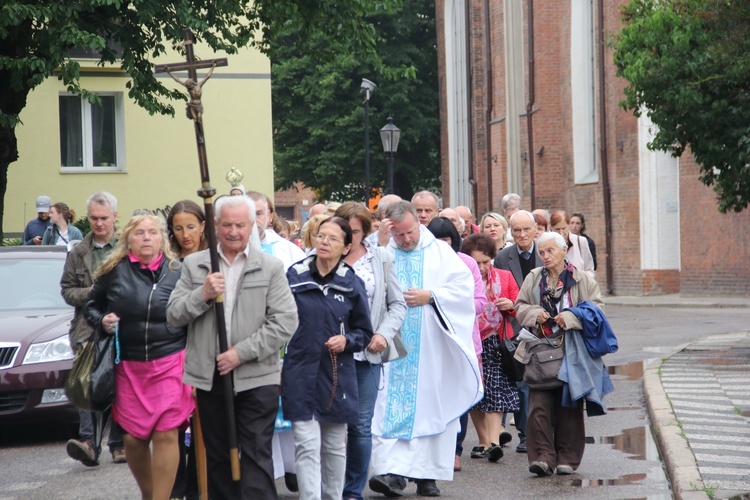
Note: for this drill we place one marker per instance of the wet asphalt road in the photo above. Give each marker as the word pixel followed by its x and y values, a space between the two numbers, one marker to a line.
pixel 621 459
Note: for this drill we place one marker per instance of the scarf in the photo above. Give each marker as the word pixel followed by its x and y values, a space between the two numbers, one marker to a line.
pixel 551 296
pixel 490 320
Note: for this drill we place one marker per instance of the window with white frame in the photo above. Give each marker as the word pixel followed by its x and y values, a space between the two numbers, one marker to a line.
pixel 582 91
pixel 91 134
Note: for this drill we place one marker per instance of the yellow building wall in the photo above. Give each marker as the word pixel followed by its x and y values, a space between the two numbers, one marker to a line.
pixel 160 151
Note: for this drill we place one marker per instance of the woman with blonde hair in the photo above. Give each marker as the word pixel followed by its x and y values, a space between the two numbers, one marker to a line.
pixel 309 230
pixel 495 225
pixel 129 300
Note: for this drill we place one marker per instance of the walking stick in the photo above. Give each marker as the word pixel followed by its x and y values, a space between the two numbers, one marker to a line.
pixel 195 113
pixel 200 451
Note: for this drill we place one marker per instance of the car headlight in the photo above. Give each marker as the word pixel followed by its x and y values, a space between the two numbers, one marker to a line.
pixel 44 352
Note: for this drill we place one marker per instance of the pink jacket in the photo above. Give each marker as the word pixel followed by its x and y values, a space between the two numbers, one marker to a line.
pixel 480 299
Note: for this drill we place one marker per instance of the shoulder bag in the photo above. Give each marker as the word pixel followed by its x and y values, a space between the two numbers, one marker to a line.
pixel 543 359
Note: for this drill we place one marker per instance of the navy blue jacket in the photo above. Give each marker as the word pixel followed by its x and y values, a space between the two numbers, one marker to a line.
pixel 307 375
pixel 35 227
pixel 597 333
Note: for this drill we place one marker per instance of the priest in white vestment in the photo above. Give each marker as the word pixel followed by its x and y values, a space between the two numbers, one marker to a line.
pixel 416 414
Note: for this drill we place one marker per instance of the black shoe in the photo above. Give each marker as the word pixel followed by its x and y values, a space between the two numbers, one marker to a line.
pixel 389 485
pixel 540 469
pixel 521 448
pixel 290 480
pixel 427 488
pixel 495 452
pixel 505 438
pixel 83 451
pixel 478 452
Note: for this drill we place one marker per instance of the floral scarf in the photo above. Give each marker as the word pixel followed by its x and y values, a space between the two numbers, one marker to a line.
pixel 550 296
pixel 491 319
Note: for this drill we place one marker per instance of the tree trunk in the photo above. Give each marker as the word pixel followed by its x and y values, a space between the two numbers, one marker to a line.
pixel 8 154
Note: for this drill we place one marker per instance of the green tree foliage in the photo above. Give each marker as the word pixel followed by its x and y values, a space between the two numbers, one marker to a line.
pixel 687 63
pixel 318 111
pixel 37 36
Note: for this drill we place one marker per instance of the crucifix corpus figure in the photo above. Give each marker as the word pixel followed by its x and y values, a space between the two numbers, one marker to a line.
pixel 194 110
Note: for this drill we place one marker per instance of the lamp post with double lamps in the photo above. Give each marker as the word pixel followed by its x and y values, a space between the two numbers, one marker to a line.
pixel 389 136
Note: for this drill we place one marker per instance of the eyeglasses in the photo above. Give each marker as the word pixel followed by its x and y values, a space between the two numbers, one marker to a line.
pixel 330 239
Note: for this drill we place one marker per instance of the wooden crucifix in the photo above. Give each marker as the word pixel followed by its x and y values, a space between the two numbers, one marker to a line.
pixel 195 113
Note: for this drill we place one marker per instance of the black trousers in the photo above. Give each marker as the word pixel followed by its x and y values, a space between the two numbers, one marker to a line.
pixel 255 412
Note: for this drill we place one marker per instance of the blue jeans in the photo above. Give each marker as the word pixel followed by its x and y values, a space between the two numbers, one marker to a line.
pixel 359 437
pixel 522 414
pixel 87 430
pixel 464 421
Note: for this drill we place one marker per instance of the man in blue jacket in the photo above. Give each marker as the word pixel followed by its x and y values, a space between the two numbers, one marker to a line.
pixel 32 234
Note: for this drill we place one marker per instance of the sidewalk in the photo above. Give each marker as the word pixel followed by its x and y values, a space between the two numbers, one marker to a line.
pixel 699 407
pixel 676 300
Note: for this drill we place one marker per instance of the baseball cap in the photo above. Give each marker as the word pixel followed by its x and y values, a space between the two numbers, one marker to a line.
pixel 43 203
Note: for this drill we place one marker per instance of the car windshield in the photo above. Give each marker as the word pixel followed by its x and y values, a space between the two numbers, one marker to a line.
pixel 31 284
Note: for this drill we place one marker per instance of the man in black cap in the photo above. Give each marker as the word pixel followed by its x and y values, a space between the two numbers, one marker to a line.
pixel 32 235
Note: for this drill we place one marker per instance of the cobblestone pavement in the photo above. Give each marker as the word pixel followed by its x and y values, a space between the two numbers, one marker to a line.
pixel 707 386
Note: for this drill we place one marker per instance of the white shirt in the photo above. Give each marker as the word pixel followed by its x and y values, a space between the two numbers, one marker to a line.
pixel 232 274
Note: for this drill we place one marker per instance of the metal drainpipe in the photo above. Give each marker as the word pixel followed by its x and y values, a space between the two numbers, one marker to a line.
pixel 530 104
pixel 469 108
pixel 603 150
pixel 488 108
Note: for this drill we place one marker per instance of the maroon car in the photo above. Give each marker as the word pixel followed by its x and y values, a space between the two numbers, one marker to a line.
pixel 35 353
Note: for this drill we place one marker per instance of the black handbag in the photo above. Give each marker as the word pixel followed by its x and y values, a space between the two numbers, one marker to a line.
pixel 543 359
pixel 511 367
pixel 102 383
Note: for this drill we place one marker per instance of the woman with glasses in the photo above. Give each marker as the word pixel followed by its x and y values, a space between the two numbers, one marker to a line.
pixel 318 380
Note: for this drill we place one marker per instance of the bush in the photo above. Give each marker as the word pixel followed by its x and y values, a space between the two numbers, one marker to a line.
pixel 83 225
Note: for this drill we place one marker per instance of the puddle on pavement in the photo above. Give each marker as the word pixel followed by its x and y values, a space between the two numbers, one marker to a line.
pixel 623 408
pixel 636 442
pixel 620 481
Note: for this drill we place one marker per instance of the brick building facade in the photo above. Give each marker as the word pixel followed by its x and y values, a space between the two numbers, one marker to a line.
pixel 294 203
pixel 667 235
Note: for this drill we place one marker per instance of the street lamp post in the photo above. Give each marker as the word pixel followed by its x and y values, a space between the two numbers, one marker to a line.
pixel 367 88
pixel 389 136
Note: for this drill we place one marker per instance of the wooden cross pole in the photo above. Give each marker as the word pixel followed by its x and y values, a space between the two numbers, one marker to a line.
pixel 195 113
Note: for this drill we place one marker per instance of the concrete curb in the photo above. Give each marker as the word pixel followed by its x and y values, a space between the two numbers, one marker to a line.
pixel 682 468
pixel 676 301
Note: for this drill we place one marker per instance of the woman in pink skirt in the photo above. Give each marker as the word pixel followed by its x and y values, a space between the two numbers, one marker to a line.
pixel 129 300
